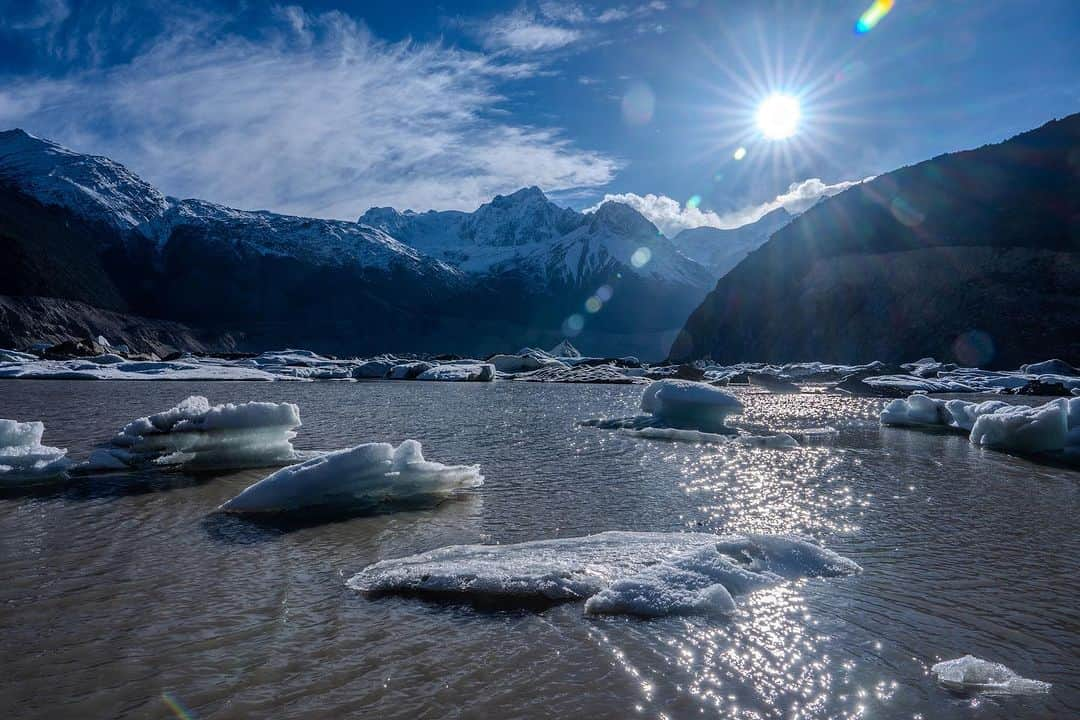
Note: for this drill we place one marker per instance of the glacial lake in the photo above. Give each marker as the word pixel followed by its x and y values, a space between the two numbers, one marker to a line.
pixel 126 596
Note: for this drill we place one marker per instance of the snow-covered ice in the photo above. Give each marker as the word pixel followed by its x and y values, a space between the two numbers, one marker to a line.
pixel 1053 427
pixel 460 372
pixel 23 459
pixel 637 573
pixel 87 369
pixel 690 404
pixel 1024 429
pixel 972 674
pixel 367 474
pixel 198 435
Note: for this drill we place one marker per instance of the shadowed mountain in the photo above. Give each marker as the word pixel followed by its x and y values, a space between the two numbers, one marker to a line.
pixel 972 256
pixel 517 271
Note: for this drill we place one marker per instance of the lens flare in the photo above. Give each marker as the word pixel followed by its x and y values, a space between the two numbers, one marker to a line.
pixel 778 116
pixel 638 104
pixel 873 15
pixel 641 257
pixel 739 154
pixel 694 201
pixel 593 304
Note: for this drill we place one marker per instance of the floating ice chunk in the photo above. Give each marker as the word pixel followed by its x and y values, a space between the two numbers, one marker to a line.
pixel 917 410
pixel 23 459
pixel 638 573
pixel 1049 367
pixel 460 372
pixel 778 441
pixel 676 435
pixel 196 435
pixel 962 414
pixel 911 383
pixel 972 674
pixel 772 383
pixel 373 369
pixel 409 371
pixel 1024 429
pixel 367 474
pixel 16 356
pixel 686 402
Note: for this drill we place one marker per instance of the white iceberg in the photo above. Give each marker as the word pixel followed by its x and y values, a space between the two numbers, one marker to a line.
pixel 86 369
pixel 636 573
pixel 198 435
pixel 373 369
pixel 23 459
pixel 367 474
pixel 460 372
pixel 689 403
pixel 972 674
pixel 1024 429
pixel 1049 367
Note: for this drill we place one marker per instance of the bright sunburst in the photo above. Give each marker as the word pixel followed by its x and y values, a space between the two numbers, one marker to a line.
pixel 778 116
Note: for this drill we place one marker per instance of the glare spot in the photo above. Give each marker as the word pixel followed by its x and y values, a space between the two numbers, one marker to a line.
pixel 873 15
pixel 573 325
pixel 604 292
pixel 694 201
pixel 739 154
pixel 638 104
pixel 778 116
pixel 641 257
pixel 593 304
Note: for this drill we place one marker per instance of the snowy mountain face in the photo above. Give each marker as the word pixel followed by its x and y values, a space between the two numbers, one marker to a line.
pixel 101 191
pixel 526 233
pixel 511 273
pixel 721 250
pixel 94 187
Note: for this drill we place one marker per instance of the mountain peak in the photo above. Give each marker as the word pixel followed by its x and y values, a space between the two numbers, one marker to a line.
pixel 525 194
pixel 623 218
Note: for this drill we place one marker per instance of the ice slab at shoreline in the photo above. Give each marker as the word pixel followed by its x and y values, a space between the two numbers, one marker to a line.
pixel 460 372
pixel 367 474
pixel 636 573
pixel 23 459
pixel 972 674
pixel 93 369
pixel 198 435
pixel 690 404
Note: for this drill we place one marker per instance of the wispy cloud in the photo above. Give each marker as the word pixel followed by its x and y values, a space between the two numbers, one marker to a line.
pixel 316 116
pixel 553 25
pixel 672 217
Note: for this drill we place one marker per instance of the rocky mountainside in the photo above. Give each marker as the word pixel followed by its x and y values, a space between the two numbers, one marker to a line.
pixel 972 256
pixel 520 270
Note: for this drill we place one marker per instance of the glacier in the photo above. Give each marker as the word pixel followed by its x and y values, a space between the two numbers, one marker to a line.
pixel 645 574
pixel 367 475
pixel 23 459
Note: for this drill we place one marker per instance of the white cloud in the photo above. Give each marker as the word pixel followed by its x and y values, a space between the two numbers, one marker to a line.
pixel 316 117
pixel 553 25
pixel 671 217
pixel 523 31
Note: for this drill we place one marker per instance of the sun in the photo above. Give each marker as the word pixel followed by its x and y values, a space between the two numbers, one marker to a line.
pixel 778 116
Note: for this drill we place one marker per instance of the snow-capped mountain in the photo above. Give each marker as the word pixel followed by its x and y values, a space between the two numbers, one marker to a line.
pixel 85 228
pixel 721 250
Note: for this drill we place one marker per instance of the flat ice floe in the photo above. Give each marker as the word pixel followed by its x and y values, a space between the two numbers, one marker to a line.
pixel 23 459
pixel 635 573
pixel 105 368
pixel 365 475
pixel 198 435
pixel 972 674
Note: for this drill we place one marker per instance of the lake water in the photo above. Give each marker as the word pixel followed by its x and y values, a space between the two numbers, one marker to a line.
pixel 126 597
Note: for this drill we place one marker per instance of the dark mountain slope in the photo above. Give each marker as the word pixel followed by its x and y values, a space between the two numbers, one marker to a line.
pixel 973 256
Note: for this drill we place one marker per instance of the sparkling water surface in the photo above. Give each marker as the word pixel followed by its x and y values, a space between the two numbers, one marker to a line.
pixel 128 597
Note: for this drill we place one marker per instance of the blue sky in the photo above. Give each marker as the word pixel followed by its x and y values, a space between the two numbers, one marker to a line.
pixel 328 107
